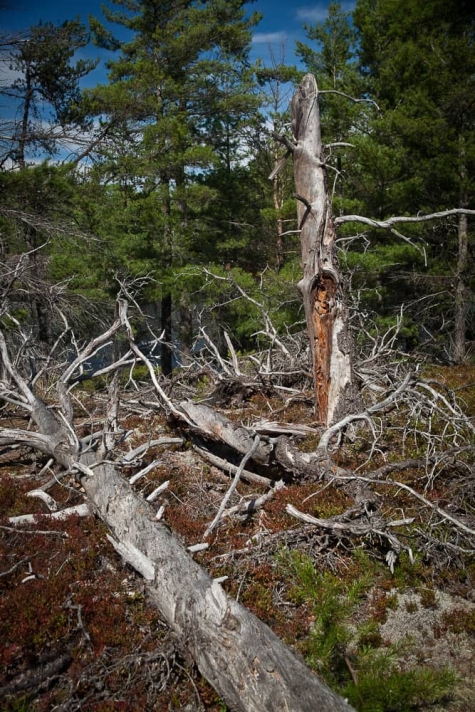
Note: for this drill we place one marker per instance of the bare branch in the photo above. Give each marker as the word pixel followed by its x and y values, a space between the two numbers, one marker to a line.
pixel 401 485
pixel 233 486
pixel 397 220
pixel 228 467
pixel 365 415
pixel 80 510
pixel 364 100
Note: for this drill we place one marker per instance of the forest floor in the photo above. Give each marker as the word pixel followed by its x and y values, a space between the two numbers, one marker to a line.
pixel 77 631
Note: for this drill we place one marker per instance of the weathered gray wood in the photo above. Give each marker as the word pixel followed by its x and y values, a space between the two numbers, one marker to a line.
pixel 321 285
pixel 220 428
pixel 230 468
pixel 240 656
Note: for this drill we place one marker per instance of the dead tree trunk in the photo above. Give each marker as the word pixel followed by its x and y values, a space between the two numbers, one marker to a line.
pixel 460 301
pixel 240 656
pixel 321 285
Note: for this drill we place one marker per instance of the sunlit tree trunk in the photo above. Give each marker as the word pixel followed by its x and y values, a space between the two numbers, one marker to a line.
pixel 322 284
pixel 166 307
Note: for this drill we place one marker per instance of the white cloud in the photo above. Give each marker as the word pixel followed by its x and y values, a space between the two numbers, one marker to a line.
pixel 318 13
pixel 269 37
pixel 312 14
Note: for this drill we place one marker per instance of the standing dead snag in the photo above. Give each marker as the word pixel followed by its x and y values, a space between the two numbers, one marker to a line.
pixel 321 285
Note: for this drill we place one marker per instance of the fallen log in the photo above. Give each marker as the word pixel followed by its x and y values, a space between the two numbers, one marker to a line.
pixel 246 663
pixel 217 426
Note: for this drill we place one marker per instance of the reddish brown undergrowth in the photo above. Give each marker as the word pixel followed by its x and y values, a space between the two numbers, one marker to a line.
pixel 72 599
pixel 67 598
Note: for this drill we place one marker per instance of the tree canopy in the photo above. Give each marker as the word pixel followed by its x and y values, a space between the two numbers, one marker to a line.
pixel 169 161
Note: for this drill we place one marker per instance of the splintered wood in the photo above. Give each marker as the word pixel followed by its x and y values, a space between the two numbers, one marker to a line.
pixel 321 284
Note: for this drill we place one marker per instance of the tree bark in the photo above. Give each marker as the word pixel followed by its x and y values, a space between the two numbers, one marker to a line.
pixel 166 358
pixel 246 663
pixel 322 284
pixel 461 292
pixel 460 325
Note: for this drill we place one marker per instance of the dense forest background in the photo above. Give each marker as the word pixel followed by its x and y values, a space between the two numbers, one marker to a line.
pixel 162 174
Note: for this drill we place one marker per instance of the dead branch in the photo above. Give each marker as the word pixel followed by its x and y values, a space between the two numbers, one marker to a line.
pixel 259 673
pixel 46 498
pixel 402 219
pixel 381 406
pixel 30 679
pixel 355 100
pixel 131 456
pixel 43 532
pixel 212 347
pixel 338 524
pixel 80 510
pixel 228 467
pixel 233 354
pixel 269 331
pixel 401 485
pixel 233 486
pixel 267 427
pixel 246 508
pixel 124 320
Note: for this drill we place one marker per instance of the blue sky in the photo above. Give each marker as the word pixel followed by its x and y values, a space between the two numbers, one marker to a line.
pixel 276 34
pixel 280 27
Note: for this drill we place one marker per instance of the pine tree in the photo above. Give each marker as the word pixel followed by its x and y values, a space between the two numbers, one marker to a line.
pixel 44 98
pixel 177 94
pixel 419 59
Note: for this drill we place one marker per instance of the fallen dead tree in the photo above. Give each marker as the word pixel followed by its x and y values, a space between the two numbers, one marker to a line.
pixel 240 656
pixel 244 661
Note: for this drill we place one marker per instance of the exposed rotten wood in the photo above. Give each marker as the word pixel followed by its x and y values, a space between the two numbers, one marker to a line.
pixel 321 284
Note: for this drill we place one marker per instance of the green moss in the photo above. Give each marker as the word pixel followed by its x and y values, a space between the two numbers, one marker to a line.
pixel 459 621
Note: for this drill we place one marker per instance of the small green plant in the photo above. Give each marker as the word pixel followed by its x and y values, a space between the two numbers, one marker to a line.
pixel 20 704
pixel 331 602
pixel 138 373
pixel 350 657
pixel 202 387
pixel 379 685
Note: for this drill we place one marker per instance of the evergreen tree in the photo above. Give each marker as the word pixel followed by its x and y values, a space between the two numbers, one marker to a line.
pixel 419 60
pixel 414 154
pixel 332 60
pixel 43 245
pixel 42 114
pixel 177 95
pixel 43 100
